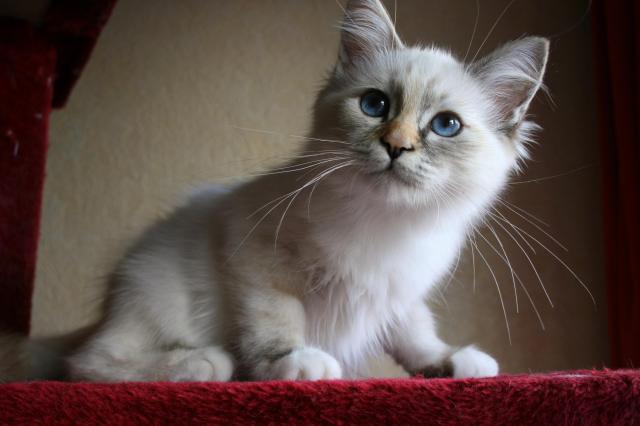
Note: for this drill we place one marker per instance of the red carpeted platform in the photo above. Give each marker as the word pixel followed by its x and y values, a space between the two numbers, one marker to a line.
pixel 576 398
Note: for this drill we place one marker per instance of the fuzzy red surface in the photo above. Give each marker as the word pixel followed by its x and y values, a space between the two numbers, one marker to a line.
pixel 578 397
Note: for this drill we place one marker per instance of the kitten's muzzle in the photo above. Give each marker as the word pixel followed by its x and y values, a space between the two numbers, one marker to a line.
pixel 398 138
pixel 393 150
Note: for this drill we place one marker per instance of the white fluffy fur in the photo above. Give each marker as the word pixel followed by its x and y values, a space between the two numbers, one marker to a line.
pixel 312 284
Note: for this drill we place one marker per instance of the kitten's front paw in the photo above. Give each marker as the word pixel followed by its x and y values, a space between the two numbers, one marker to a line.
pixel 470 362
pixel 306 364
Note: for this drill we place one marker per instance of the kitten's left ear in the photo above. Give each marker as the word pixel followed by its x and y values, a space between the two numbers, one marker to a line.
pixel 513 74
pixel 367 29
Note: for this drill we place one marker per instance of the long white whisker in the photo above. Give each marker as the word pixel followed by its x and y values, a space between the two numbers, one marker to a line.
pixel 508 262
pixel 523 211
pixel 495 280
pixel 444 300
pixel 453 272
pixel 524 288
pixel 535 270
pixel 582 284
pixel 282 199
pixel 279 201
pixel 283 196
pixel 495 24
pixel 473 33
pixel 306 166
pixel 473 262
pixel 274 133
pixel 533 305
pixel 522 238
pixel 542 179
pixel 538 228
pixel 312 181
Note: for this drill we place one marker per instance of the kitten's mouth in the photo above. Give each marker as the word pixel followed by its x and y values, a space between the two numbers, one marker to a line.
pixel 398 174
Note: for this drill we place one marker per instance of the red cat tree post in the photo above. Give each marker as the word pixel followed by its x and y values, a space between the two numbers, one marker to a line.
pixel 26 75
pixel 38 67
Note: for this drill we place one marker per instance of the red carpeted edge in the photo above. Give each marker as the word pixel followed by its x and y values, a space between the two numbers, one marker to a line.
pixel 27 64
pixel 577 397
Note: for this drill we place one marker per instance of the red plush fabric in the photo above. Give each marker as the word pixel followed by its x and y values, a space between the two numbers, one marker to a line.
pixel 27 64
pixel 579 397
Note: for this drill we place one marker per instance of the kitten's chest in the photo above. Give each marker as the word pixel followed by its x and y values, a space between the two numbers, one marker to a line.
pixel 367 284
pixel 392 263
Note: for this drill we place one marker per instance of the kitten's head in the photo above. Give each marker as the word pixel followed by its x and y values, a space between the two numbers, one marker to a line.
pixel 420 125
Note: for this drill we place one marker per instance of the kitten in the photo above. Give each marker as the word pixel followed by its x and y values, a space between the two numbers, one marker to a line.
pixel 307 271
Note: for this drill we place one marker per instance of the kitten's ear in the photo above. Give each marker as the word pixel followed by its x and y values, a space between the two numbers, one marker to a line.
pixel 513 74
pixel 366 30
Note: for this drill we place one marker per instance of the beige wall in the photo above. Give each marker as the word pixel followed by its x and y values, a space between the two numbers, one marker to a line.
pixel 155 110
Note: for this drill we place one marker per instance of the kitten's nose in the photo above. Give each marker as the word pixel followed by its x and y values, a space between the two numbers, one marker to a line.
pixel 397 140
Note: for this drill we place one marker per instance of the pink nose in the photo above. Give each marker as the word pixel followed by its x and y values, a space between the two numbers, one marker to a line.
pixel 398 139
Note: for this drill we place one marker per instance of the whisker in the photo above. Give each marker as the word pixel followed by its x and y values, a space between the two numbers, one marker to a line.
pixel 535 270
pixel 274 133
pixel 539 228
pixel 582 284
pixel 451 274
pixel 473 33
pixel 281 200
pixel 444 300
pixel 508 262
pixel 533 305
pixel 495 24
pixel 318 153
pixel 473 263
pixel 526 213
pixel 310 164
pixel 312 169
pixel 524 288
pixel 313 188
pixel 522 238
pixel 312 181
pixel 495 280
pixel 277 199
pixel 544 178
pixel 265 206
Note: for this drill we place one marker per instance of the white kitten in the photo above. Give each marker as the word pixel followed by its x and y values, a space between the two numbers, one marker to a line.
pixel 306 272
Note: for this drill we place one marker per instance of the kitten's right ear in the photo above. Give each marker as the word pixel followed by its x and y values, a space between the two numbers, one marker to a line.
pixel 513 74
pixel 367 29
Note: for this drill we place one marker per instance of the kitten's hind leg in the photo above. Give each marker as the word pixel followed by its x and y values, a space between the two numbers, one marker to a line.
pixel 177 365
pixel 130 354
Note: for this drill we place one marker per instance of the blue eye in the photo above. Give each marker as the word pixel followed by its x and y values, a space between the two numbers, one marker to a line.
pixel 446 124
pixel 374 103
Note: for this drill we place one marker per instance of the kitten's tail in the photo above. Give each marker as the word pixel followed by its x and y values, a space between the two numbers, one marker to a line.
pixel 22 358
